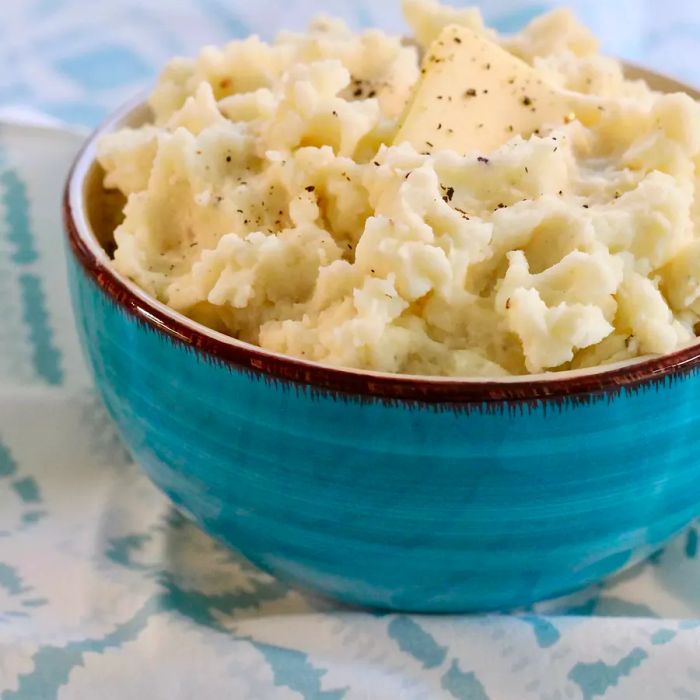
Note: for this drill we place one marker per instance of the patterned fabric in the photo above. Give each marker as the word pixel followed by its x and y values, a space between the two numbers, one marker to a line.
pixel 105 591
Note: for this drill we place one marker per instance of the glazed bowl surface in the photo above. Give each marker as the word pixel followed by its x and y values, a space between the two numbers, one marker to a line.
pixel 396 492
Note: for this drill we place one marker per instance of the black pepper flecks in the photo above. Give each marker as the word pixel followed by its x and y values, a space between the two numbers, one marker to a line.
pixel 310 188
pixel 449 194
pixel 482 159
pixel 228 159
pixel 527 101
pixel 471 92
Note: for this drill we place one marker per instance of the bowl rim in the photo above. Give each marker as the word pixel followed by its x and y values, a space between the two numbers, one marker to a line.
pixel 577 386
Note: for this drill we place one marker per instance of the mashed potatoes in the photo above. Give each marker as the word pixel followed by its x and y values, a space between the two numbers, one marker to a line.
pixel 267 201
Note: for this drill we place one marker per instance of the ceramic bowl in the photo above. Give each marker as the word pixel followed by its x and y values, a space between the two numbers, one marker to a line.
pixel 396 492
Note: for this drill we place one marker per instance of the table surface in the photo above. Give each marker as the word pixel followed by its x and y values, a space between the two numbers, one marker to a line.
pixel 105 591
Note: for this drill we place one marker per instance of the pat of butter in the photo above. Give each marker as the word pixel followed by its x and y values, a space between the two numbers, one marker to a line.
pixel 474 96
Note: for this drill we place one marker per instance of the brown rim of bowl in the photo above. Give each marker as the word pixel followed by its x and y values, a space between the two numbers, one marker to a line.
pixel 578 386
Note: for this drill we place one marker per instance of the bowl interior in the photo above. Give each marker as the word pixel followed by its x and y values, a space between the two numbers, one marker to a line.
pixel 96 211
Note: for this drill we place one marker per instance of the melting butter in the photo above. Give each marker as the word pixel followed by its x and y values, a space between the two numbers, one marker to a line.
pixel 474 96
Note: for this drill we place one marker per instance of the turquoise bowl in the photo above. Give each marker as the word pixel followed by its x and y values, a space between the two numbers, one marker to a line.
pixel 407 493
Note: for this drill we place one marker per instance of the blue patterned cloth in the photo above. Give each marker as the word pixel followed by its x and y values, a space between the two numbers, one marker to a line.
pixel 105 591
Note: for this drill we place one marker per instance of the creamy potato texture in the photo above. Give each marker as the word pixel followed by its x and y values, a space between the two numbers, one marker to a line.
pixel 268 200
